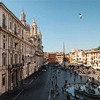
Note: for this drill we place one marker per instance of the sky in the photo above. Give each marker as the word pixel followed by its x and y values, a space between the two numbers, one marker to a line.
pixel 60 23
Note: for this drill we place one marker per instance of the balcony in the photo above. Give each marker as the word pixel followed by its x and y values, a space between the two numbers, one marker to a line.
pixel 17 65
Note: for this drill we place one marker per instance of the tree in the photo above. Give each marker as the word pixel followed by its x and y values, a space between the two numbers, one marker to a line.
pixel 98 48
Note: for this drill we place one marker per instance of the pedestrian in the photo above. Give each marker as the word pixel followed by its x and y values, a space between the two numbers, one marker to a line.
pixel 80 77
pixel 71 74
pixel 62 89
pixel 74 79
pixel 68 96
pixel 76 98
pixel 65 81
pixel 57 92
pixel 52 82
pixel 64 85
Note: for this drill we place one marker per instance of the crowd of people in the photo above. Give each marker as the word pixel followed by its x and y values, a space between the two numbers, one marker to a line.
pixel 55 90
pixel 75 73
pixel 81 69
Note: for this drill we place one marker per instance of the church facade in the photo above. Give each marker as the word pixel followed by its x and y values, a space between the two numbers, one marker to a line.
pixel 21 50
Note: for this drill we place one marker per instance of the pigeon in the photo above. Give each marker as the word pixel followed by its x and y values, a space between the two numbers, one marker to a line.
pixel 80 15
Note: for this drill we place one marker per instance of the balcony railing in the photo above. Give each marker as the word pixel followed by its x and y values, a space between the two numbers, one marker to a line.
pixel 17 65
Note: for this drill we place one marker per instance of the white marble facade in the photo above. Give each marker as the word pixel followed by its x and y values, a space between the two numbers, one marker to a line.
pixel 21 50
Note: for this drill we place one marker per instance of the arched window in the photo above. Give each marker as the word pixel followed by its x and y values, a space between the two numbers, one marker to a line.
pixel 3 21
pixel 4 59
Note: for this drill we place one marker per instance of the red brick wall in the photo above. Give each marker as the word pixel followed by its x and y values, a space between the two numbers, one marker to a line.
pixel 52 58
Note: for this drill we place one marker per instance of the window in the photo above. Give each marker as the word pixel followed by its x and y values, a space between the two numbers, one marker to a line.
pixel 11 59
pixel 15 29
pixel 11 43
pixel 4 36
pixel 23 58
pixel 22 47
pixel 16 45
pixel 22 35
pixel 3 21
pixel 3 79
pixel 19 59
pixel 10 25
pixel 18 30
pixel 16 59
pixel 12 77
pixel 4 42
pixel 4 59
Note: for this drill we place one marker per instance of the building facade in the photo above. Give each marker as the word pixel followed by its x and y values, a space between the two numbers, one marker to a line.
pixel 60 57
pixel 93 58
pixel 54 56
pixel 88 57
pixel 21 49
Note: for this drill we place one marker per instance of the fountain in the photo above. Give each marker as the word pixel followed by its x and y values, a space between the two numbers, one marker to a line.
pixel 90 90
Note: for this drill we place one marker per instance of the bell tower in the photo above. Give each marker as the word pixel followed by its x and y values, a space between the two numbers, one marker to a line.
pixel 23 17
pixel 33 28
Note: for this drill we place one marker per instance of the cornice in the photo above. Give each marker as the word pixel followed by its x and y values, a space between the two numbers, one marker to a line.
pixel 10 33
pixel 3 6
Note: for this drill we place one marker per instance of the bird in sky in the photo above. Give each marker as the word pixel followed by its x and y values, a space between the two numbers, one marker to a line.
pixel 80 15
